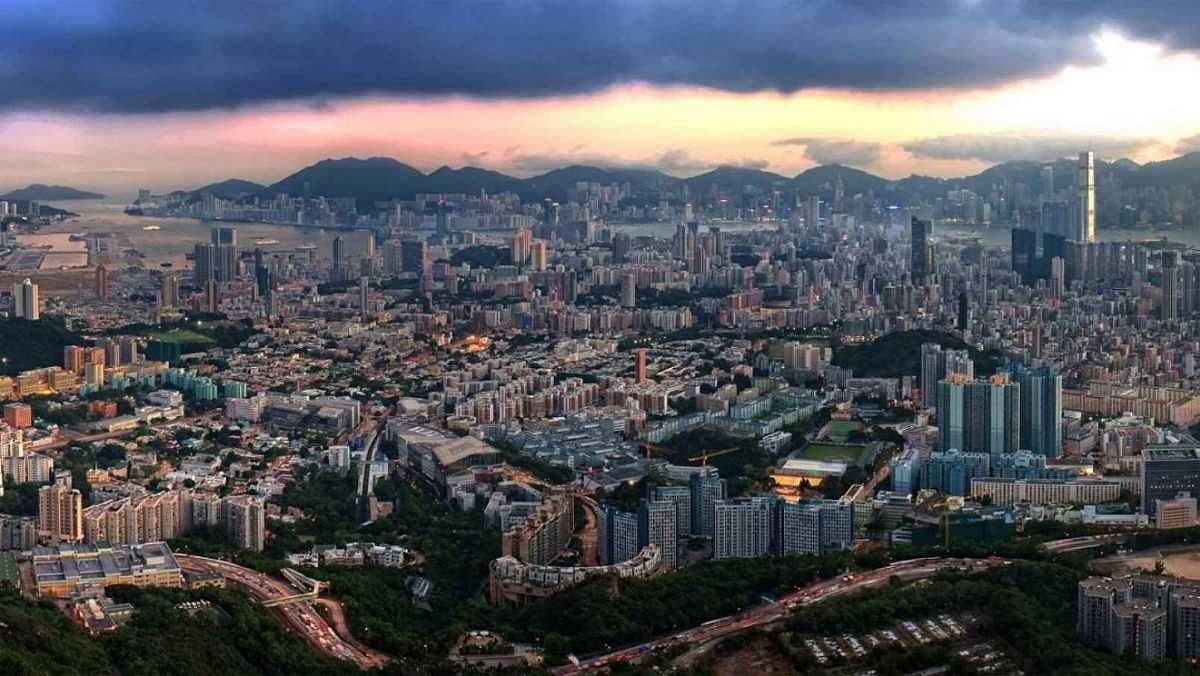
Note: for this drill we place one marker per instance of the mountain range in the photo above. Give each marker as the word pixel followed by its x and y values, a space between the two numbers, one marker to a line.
pixel 379 179
pixel 49 193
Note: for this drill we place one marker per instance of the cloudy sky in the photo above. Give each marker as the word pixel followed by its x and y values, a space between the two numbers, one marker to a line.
pixel 115 95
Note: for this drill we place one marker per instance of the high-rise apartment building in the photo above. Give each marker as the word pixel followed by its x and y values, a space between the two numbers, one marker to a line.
pixel 60 513
pixel 742 527
pixel 245 521
pixel 936 364
pixel 618 535
pixel 706 492
pixel 1041 410
pixel 657 523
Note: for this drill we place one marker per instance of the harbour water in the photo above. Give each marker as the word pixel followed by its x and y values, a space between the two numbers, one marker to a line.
pixel 174 237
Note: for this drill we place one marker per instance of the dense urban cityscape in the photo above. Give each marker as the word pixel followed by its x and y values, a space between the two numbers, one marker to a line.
pixel 580 412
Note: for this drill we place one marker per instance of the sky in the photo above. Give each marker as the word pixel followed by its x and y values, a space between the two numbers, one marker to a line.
pixel 114 95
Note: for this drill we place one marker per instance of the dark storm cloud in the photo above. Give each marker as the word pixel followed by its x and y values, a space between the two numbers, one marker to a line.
pixel 131 56
pixel 1038 147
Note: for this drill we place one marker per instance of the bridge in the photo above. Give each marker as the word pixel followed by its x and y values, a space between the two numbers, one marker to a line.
pixel 309 589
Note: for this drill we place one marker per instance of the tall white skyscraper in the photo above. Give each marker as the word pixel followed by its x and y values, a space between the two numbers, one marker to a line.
pixel 28 304
pixel 1085 229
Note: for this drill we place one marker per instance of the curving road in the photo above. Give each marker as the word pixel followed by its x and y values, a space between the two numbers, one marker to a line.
pixel 300 616
pixel 761 616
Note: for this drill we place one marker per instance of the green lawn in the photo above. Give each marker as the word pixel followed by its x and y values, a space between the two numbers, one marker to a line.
pixel 819 451
pixel 839 430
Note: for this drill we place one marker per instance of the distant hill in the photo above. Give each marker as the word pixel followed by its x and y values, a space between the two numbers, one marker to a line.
pixel 232 188
pixel 372 180
pixel 50 193
pixel 381 179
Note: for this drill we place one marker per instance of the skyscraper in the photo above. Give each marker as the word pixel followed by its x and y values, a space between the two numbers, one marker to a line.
pixel 964 311
pixel 102 283
pixel 522 242
pixel 1170 286
pixel 706 492
pixel 922 253
pixel 936 364
pixel 339 253
pixel 992 417
pixel 629 290
pixel 363 310
pixel 951 412
pixel 27 300
pixel 1041 410
pixel 169 294
pixel 204 263
pixel 1085 227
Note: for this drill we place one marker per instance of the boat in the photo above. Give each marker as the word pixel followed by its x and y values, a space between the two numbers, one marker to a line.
pixel 265 241
pixel 149 228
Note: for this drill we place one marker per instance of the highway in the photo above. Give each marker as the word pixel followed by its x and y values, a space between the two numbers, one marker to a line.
pixel 762 616
pixel 300 616
pixel 1085 542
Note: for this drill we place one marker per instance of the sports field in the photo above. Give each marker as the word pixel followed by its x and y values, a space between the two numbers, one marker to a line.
pixel 819 451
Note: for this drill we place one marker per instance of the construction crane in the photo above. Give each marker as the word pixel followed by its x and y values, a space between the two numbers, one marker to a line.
pixel 703 457
pixel 648 447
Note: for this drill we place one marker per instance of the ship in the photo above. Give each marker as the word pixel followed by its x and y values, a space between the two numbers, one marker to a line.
pixel 149 228
pixel 265 241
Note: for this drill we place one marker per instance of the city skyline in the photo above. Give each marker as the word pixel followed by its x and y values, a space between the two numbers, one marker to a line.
pixel 1038 82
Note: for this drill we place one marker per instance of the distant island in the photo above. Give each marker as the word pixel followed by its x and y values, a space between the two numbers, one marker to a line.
pixel 50 193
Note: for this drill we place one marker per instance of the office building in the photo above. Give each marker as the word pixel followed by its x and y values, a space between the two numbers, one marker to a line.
pixel 27 302
pixel 1166 473
pixel 339 259
pixel 922 251
pixel 1170 286
pixel 1085 225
